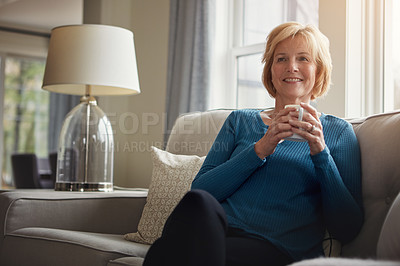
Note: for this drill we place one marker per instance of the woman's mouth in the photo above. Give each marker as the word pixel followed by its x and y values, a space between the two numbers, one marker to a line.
pixel 292 79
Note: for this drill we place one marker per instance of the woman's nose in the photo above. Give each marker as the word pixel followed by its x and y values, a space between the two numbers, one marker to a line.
pixel 292 66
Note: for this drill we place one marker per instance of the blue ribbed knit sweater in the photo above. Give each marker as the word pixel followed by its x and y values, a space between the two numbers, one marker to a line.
pixel 290 197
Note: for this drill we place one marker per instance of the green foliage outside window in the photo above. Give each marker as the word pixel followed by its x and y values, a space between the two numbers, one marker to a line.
pixel 25 113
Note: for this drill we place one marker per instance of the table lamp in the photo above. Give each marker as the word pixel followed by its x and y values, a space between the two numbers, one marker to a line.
pixel 89 60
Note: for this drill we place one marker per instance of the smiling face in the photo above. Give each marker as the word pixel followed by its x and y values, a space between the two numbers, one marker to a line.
pixel 293 71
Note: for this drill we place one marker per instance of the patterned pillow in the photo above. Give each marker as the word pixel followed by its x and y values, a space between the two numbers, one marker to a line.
pixel 171 179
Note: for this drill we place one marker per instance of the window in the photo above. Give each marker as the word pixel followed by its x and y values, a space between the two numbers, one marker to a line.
pixel 241 30
pixel 373 58
pixel 392 55
pixel 25 110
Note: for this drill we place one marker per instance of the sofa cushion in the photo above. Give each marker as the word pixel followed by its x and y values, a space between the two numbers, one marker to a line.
pixel 45 246
pixel 379 141
pixel 171 179
pixel 389 239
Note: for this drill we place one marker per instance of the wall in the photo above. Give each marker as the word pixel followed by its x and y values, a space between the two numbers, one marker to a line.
pixel 137 120
pixel 332 22
pixel 342 22
pixel 150 24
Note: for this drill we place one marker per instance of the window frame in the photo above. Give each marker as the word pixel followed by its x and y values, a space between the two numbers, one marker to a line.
pixel 389 92
pixel 228 48
pixel 368 89
pixel 373 76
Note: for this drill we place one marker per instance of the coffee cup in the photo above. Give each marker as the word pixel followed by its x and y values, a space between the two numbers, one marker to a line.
pixel 296 137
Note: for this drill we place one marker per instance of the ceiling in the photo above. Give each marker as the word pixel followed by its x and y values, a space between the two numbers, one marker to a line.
pixel 39 15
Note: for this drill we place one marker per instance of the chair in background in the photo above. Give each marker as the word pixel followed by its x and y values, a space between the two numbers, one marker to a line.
pixel 31 172
pixel 53 165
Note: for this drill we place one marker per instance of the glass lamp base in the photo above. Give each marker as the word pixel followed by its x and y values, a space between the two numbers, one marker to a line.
pixel 85 157
pixel 82 187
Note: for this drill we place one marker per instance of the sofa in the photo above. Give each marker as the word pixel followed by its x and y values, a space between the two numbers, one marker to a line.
pixel 45 227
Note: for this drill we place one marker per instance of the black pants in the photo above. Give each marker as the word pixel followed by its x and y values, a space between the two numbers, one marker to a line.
pixel 197 234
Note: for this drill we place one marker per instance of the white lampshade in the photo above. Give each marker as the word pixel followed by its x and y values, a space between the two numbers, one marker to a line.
pixel 97 55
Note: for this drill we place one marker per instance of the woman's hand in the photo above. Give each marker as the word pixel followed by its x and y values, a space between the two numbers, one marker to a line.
pixel 310 128
pixel 277 131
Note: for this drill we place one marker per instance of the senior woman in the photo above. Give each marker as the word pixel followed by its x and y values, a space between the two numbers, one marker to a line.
pixel 265 199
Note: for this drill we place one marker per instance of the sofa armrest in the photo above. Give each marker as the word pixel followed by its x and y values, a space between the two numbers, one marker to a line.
pixel 115 212
pixel 389 240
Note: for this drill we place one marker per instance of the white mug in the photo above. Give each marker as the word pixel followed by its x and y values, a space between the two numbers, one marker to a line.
pixel 296 137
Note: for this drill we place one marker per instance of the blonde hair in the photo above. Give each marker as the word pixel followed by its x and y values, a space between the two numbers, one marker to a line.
pixel 319 47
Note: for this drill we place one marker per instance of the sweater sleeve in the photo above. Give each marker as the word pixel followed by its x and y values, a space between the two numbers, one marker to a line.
pixel 339 174
pixel 221 173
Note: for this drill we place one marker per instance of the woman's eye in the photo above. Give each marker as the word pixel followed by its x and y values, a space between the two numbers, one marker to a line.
pixel 303 58
pixel 280 59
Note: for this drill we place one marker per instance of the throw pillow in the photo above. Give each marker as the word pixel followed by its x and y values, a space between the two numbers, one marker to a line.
pixel 171 178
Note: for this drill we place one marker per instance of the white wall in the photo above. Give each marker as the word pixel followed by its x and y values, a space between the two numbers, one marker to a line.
pixel 342 22
pixel 150 24
pixel 137 120
pixel 332 22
